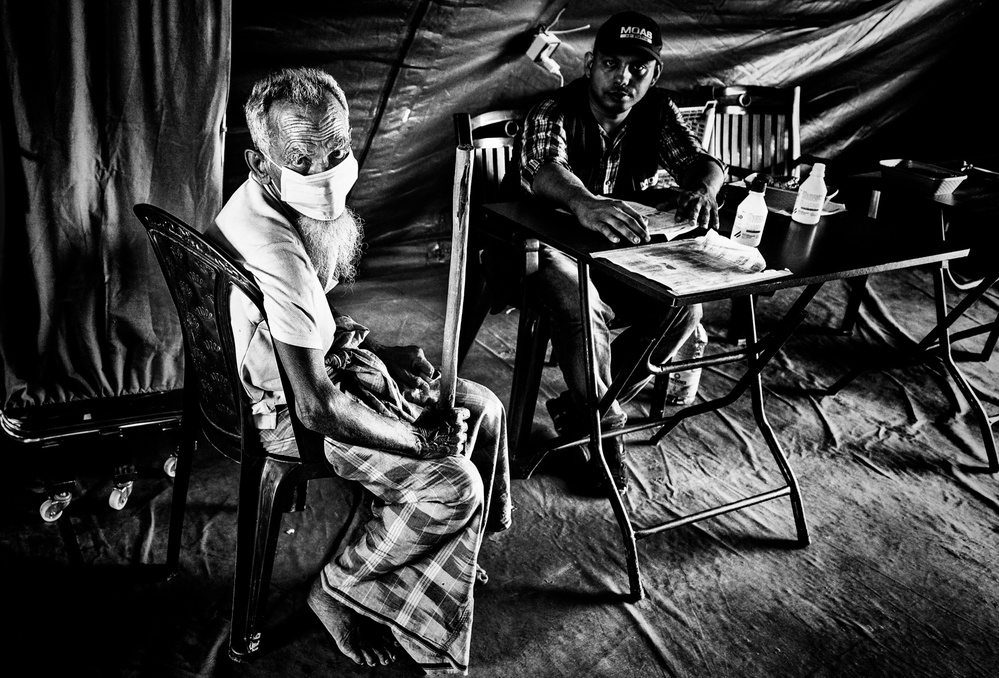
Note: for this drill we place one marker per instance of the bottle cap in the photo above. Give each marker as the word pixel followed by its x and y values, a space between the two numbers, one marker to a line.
pixel 758 186
pixel 818 169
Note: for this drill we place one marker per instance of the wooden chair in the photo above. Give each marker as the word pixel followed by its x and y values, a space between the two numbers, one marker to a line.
pixel 500 266
pixel 700 118
pixel 489 286
pixel 701 121
pixel 201 278
pixel 756 129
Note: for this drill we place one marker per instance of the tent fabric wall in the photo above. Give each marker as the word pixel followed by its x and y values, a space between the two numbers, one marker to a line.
pixel 408 66
pixel 110 103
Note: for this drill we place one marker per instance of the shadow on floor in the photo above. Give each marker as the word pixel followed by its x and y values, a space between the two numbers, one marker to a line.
pixel 901 577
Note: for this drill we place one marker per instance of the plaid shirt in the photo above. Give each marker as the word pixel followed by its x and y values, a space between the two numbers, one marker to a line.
pixel 547 138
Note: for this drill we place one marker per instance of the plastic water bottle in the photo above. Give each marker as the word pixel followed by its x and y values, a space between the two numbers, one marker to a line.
pixel 811 196
pixel 751 216
pixel 681 389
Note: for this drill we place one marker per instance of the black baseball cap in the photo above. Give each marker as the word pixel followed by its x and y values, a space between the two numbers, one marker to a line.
pixel 630 32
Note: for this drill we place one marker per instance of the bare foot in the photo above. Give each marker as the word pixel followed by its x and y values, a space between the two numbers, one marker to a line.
pixel 361 639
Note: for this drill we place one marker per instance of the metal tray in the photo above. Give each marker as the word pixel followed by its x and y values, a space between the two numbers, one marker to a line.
pixel 920 176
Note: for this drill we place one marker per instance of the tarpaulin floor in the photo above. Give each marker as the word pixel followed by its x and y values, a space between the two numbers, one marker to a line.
pixel 901 577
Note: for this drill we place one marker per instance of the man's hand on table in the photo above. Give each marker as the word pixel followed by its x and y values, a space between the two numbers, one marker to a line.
pixel 615 219
pixel 700 206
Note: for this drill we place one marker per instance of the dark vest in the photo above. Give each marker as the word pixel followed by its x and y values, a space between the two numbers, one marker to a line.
pixel 640 153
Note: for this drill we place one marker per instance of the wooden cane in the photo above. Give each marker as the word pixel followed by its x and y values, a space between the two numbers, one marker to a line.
pixel 456 280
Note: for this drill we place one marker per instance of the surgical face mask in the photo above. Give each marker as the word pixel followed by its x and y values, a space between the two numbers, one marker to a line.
pixel 321 196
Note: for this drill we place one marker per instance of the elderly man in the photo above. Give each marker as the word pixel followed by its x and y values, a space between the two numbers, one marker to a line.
pixel 610 132
pixel 437 476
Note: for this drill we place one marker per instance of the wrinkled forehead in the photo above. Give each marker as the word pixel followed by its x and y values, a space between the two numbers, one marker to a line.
pixel 309 128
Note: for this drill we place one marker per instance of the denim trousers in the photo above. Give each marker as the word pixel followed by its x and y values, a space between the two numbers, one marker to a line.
pixel 613 306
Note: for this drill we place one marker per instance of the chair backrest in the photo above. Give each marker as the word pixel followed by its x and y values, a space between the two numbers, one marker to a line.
pixel 700 118
pixel 757 129
pixel 495 155
pixel 201 278
pixel 701 121
pixel 486 170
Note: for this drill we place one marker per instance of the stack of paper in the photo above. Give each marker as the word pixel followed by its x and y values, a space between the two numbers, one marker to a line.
pixel 701 264
pixel 663 223
pixel 658 223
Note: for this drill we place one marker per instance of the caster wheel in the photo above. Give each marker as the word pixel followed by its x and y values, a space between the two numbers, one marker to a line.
pixel 118 499
pixel 170 466
pixel 119 496
pixel 51 509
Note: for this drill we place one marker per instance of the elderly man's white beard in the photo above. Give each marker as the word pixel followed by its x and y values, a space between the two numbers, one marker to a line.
pixel 333 246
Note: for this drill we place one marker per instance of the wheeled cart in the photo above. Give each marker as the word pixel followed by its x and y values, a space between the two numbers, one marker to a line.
pixel 57 435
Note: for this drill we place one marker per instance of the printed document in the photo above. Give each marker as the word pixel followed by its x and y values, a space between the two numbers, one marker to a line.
pixel 701 264
pixel 663 223
pixel 658 223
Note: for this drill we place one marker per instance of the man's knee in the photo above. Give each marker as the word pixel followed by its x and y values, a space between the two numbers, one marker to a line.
pixel 486 412
pixel 492 413
pixel 557 287
pixel 461 487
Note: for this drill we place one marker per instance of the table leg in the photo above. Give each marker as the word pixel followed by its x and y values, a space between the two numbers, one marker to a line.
pixel 758 355
pixel 595 445
pixel 759 413
pixel 941 330
pixel 856 292
pixel 940 339
pixel 764 351
pixel 643 360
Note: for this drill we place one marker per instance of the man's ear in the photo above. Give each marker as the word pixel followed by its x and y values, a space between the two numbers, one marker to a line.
pixel 657 71
pixel 257 163
pixel 587 63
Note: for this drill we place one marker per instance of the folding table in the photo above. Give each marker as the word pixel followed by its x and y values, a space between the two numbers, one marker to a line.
pixel 839 246
pixel 976 200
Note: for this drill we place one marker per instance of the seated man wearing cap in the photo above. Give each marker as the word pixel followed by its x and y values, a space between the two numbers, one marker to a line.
pixel 436 477
pixel 610 132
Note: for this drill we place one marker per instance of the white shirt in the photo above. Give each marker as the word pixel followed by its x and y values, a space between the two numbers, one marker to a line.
pixel 298 312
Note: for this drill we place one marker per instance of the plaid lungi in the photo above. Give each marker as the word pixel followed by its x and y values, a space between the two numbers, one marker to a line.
pixel 409 559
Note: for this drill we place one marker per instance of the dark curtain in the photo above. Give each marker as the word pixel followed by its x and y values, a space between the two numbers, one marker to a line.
pixel 409 65
pixel 107 103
